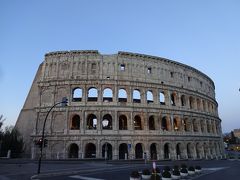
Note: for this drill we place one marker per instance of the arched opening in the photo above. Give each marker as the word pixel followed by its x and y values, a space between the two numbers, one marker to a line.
pixel 189 151
pixel 198 104
pixel 191 102
pixel 166 151
pixel 183 100
pixel 107 122
pixel 77 94
pixel 123 151
pixel 173 99
pixel 91 121
pixel 153 151
pixel 73 151
pixel 137 123
pixel 202 125
pixel 149 97
pixel 151 123
pixel 165 124
pixel 107 95
pixel 186 125
pixel 90 150
pixel 162 98
pixel 204 105
pixel 138 151
pixel 177 124
pixel 136 96
pixel 122 122
pixel 75 123
pixel 178 151
pixel 107 151
pixel 195 125
pixel 92 94
pixel 198 151
pixel 122 95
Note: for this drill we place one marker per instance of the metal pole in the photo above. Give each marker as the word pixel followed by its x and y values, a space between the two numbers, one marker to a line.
pixel 43 131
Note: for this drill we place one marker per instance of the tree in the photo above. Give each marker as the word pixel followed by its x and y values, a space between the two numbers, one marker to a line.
pixel 10 139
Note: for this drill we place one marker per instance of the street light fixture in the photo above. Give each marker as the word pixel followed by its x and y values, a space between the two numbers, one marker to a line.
pixel 64 104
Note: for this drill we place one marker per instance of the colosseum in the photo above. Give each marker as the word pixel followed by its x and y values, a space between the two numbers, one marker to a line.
pixel 121 106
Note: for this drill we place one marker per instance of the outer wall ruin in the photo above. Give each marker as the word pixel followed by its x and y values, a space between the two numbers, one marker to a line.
pixel 121 106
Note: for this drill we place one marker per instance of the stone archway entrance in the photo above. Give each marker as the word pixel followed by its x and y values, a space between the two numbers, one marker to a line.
pixel 107 151
pixel 153 151
pixel 73 151
pixel 123 149
pixel 138 151
pixel 90 151
pixel 166 151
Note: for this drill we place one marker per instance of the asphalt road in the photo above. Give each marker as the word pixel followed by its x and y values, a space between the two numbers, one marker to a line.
pixel 90 170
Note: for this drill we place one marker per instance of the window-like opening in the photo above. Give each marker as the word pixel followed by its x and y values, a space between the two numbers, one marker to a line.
pixel 73 151
pixel 171 73
pixel 92 94
pixel 162 98
pixel 189 78
pixel 204 105
pixel 107 122
pixel 107 95
pixel 75 123
pixel 137 123
pixel 202 126
pixel 195 125
pixel 173 97
pixel 90 150
pixel 91 121
pixel 138 151
pixel 183 100
pixel 93 67
pixel 149 70
pixel 151 123
pixel 166 151
pixel 122 67
pixel 165 124
pixel 77 94
pixel 136 96
pixel 208 127
pixel 122 95
pixel 107 151
pixel 186 125
pixel 149 97
pixel 201 83
pixel 122 122
pixel 153 151
pixel 123 151
pixel 178 151
pixel 176 124
pixel 191 102
pixel 198 104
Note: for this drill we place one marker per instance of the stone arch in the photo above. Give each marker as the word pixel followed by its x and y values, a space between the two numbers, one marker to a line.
pixel 91 121
pixel 92 94
pixel 162 98
pixel 123 122
pixel 176 124
pixel 173 98
pixel 90 150
pixel 77 94
pixel 195 125
pixel 122 95
pixel 107 151
pixel 136 96
pixel 149 96
pixel 199 152
pixel 151 123
pixel 198 104
pixel 166 151
pixel 186 124
pixel 73 151
pixel 107 95
pixel 183 100
pixel 75 122
pixel 107 122
pixel 123 151
pixel 191 102
pixel 165 124
pixel 137 123
pixel 153 151
pixel 190 150
pixel 179 151
pixel 139 151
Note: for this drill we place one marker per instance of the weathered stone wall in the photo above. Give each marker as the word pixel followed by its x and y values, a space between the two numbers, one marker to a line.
pixel 184 125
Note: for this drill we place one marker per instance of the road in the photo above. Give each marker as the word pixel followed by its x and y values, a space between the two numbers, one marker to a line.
pixel 100 170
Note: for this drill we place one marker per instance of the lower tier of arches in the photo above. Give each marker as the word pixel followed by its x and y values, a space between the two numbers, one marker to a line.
pixel 131 149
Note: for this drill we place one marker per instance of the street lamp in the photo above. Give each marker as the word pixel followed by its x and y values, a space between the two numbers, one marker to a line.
pixel 64 104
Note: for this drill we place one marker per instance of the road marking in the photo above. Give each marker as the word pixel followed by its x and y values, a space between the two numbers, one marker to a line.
pixel 84 178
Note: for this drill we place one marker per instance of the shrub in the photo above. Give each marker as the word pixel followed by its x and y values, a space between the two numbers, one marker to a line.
pixel 146 172
pixel 135 174
pixel 175 167
pixel 176 172
pixel 191 168
pixel 198 167
pixel 166 168
pixel 166 174
pixel 184 170
pixel 183 166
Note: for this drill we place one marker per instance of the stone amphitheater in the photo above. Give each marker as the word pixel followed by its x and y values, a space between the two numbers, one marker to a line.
pixel 121 106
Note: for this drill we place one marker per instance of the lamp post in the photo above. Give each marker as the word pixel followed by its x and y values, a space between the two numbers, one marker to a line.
pixel 64 103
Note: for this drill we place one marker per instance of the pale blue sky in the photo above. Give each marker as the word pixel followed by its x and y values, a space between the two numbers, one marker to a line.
pixel 204 34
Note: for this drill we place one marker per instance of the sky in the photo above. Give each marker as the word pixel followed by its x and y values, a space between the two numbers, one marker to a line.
pixel 201 33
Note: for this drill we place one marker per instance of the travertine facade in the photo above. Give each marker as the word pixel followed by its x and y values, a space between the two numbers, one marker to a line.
pixel 121 106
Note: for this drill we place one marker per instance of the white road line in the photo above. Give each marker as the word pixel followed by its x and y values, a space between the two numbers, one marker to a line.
pixel 84 178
